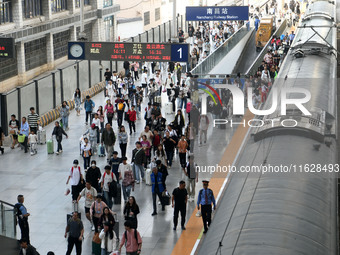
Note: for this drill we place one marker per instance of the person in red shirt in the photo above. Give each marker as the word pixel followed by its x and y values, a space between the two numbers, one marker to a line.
pixel 156 140
pixel 132 119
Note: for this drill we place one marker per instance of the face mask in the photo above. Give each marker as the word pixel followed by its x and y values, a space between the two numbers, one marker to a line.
pixel 93 165
pixel 75 165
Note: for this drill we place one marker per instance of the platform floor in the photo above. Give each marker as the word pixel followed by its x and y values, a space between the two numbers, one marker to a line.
pixel 42 180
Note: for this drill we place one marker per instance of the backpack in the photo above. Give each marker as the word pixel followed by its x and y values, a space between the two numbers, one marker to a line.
pixel 112 187
pixel 17 210
pixel 135 234
pixel 120 106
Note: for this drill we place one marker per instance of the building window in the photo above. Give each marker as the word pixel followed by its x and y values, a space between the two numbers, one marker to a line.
pixel 5 12
pixel 86 2
pixel 31 8
pixel 60 44
pixel 146 18
pixel 8 68
pixel 35 53
pixel 108 28
pixel 107 3
pixel 157 14
pixel 58 5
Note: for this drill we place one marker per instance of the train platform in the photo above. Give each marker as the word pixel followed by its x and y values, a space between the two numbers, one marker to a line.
pixel 42 180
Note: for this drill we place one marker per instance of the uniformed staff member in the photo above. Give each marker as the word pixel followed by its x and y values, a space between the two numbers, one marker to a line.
pixel 205 198
pixel 22 214
pixel 179 203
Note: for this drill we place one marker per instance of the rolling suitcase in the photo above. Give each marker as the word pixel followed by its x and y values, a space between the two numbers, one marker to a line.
pixel 75 209
pixel 168 108
pixel 118 198
pixel 148 176
pixel 41 136
pixel 50 146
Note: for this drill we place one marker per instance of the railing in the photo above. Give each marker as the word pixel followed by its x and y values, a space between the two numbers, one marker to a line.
pixel 215 57
pixel 7 220
pixel 5 12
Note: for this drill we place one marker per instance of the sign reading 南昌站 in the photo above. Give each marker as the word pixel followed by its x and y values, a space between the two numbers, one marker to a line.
pixel 217 13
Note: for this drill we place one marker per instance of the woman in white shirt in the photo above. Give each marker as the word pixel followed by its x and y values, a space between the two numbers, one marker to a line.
pixel 86 153
pixel 167 86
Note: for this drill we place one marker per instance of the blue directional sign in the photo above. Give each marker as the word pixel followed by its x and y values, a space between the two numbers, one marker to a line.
pixel 217 13
pixel 180 52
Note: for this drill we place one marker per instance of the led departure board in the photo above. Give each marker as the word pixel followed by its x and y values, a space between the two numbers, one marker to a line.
pixel 7 48
pixel 121 51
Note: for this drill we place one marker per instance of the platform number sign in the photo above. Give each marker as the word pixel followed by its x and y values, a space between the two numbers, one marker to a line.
pixel 180 52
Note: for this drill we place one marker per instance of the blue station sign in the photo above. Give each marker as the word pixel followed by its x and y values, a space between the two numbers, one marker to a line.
pixel 212 13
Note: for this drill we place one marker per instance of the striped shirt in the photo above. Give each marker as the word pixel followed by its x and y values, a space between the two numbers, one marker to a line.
pixel 33 119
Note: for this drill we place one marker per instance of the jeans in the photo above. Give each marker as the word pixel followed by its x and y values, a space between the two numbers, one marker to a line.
pixel 123 149
pixel 87 161
pixel 93 145
pixel 71 242
pixel 108 199
pixel 139 168
pixel 87 117
pixel 64 119
pixel 126 192
pixel 170 156
pixel 183 101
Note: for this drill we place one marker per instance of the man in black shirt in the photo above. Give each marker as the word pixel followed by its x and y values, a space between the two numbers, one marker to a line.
pixel 107 76
pixel 179 203
pixel 169 146
pixel 93 175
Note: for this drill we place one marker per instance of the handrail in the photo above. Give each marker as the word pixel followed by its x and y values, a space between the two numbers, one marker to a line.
pixel 259 58
pixel 3 202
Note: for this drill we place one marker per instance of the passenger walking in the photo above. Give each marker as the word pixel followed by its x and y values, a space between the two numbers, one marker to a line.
pixel 132 119
pixel 109 239
pixel 123 140
pixel 92 132
pixel 179 203
pixel 88 105
pixel 203 127
pixel 107 178
pixel 131 239
pixel 139 160
pixel 33 141
pixel 163 170
pixel 101 117
pixel 96 122
pixel 109 111
pixel 86 153
pixel 93 175
pixel 77 100
pixel 131 210
pixel 13 130
pixel 107 217
pixel 204 201
pixel 182 151
pixel 157 189
pixel 90 194
pixel 169 145
pixel 33 119
pixel 22 217
pixel 114 163
pixel 126 175
pixel 109 140
pixel 75 230
pixel 191 177
pixel 76 178
pixel 64 113
pixel 59 132
pixel 24 130
pixel 96 211
pixel 120 107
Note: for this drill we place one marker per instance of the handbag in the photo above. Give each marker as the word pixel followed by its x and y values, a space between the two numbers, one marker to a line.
pixel 110 115
pixel 96 238
pixel 21 138
pixel 166 198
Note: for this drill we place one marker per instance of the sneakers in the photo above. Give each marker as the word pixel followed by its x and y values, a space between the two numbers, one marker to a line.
pixel 92 228
pixel 57 153
pixel 137 182
pixel 153 214
pixel 60 151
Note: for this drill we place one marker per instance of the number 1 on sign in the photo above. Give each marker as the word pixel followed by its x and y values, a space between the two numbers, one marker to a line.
pixel 180 52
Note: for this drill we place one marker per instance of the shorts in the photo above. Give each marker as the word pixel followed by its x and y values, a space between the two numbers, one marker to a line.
pixel 87 210
pixel 144 85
